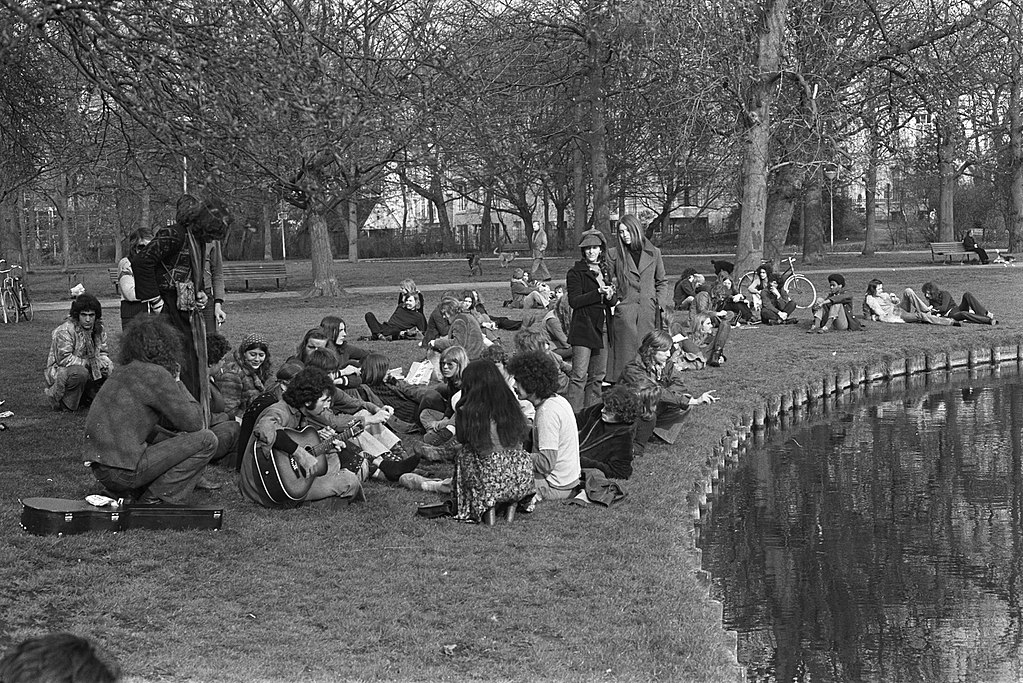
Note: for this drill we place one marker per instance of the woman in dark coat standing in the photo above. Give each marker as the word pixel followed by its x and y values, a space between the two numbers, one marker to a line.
pixel 643 289
pixel 589 294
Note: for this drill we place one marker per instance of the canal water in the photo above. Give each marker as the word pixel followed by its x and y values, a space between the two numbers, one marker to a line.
pixel 881 538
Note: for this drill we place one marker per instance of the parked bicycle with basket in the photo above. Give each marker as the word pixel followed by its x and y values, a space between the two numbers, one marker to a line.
pixel 14 297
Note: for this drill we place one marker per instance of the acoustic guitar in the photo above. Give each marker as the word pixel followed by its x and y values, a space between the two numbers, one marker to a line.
pixel 282 478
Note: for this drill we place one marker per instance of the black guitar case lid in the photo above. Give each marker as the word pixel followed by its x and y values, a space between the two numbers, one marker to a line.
pixel 59 516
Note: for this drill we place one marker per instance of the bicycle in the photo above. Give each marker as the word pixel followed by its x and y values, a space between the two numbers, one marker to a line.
pixel 14 298
pixel 798 287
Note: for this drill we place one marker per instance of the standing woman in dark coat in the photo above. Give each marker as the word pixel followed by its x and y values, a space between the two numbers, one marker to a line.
pixel 643 289
pixel 589 295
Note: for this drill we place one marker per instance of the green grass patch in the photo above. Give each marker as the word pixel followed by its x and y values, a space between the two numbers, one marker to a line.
pixel 374 593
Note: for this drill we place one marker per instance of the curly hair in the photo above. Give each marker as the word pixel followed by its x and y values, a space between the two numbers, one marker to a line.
pixel 535 372
pixel 487 398
pixel 307 387
pixel 208 219
pixel 150 339
pixel 58 657
pixel 217 347
pixel 623 402
pixel 86 302
pixel 374 369
pixel 646 390
pixel 495 353
pixel 654 341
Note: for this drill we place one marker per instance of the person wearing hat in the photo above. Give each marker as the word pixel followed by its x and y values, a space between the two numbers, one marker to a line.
pixel 834 312
pixel 247 376
pixel 590 296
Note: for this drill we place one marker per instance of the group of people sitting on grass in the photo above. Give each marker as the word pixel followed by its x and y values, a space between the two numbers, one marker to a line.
pixel 594 375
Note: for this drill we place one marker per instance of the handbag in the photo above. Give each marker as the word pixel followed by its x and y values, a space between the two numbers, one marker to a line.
pixel 186 296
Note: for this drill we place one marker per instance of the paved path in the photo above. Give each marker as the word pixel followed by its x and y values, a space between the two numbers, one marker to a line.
pixel 822 271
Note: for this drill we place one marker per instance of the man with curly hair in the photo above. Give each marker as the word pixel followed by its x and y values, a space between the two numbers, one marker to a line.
pixel 144 435
pixel 555 435
pixel 78 362
pixel 607 430
pixel 307 402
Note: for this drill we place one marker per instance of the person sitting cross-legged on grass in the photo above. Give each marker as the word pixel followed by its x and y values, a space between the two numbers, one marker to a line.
pixel 555 444
pixel 491 466
pixel 607 430
pixel 273 393
pixel 776 308
pixel 654 362
pixel 909 308
pixel 969 310
pixel 307 402
pixel 382 387
pixel 247 375
pixel 436 408
pixel 129 442
pixel 407 321
pixel 835 311
pixel 78 362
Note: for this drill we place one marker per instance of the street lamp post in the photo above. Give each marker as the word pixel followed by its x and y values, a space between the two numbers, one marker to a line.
pixel 831 173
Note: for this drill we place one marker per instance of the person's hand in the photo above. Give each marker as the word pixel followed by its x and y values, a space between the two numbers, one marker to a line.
pixel 349 370
pixel 707 397
pixel 783 315
pixel 306 461
pixel 201 299
pixel 377 418
pixel 218 312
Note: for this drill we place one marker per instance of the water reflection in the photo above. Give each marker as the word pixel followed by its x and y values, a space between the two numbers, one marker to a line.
pixel 881 540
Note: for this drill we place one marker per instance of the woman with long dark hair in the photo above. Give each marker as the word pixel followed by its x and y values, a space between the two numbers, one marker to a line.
pixel 491 467
pixel 349 356
pixel 247 375
pixel 642 288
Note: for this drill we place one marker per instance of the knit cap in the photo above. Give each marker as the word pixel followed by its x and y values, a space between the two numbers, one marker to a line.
pixel 254 340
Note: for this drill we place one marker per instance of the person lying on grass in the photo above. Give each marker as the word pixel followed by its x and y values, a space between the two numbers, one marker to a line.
pixel 144 436
pixel 555 442
pixel 78 362
pixel 307 401
pixel 702 344
pixel 654 362
pixel 472 303
pixel 969 310
pixel 834 312
pixel 407 321
pixel 349 356
pixel 909 308
pixel 607 431
pixel 491 466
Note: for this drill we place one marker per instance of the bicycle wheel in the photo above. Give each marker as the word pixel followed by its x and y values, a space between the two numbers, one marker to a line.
pixel 10 306
pixel 801 290
pixel 26 305
pixel 745 281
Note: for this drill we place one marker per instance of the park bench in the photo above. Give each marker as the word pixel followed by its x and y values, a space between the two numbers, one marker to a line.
pixel 947 250
pixel 246 272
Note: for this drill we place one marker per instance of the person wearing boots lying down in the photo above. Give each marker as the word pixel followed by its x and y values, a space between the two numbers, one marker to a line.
pixel 909 308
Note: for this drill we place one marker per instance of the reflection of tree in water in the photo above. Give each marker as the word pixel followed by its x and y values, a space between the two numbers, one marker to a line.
pixel 884 544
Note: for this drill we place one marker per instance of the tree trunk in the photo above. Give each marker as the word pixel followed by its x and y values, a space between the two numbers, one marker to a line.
pixel 870 180
pixel 486 223
pixel 598 132
pixel 758 136
pixel 813 232
pixel 352 229
pixel 778 215
pixel 946 182
pixel 26 241
pixel 578 191
pixel 324 278
pixel 268 233
pixel 1015 222
pixel 63 216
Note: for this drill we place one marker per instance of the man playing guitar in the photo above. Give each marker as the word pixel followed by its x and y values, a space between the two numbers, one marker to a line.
pixel 306 402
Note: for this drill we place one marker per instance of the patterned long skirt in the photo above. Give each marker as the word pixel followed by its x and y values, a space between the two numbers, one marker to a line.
pixel 487 479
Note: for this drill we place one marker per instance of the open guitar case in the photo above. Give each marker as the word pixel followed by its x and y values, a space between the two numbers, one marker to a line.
pixel 59 516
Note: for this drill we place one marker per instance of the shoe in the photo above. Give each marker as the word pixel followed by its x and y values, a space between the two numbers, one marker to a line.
pixel 715 359
pixel 418 482
pixel 437 437
pixel 431 453
pixel 823 330
pixel 393 470
pixel 813 330
pixel 957 323
pixel 993 321
pixel 207 484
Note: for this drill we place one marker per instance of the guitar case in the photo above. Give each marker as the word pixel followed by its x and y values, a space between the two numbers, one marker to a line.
pixel 60 516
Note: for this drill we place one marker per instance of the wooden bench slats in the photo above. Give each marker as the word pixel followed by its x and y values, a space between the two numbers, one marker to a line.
pixel 949 249
pixel 275 271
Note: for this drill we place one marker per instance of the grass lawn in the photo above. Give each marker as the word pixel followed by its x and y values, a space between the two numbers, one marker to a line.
pixel 374 593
